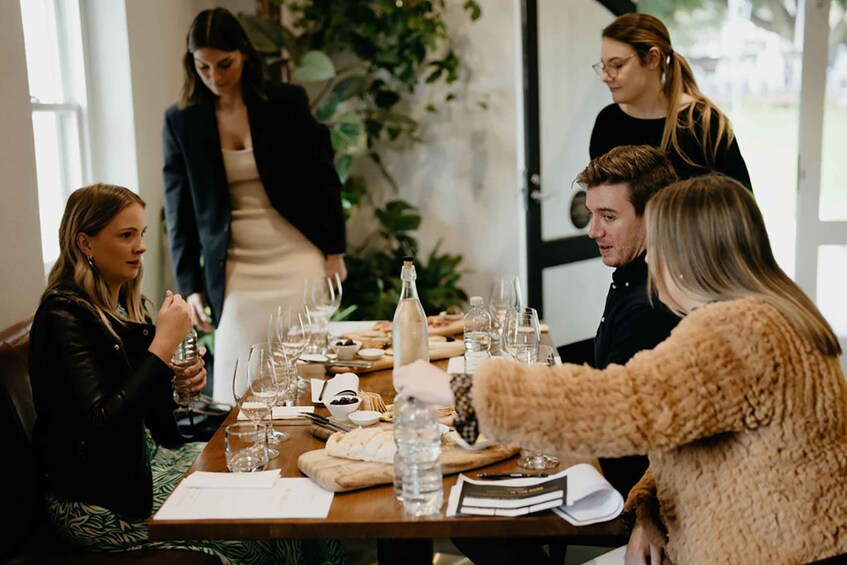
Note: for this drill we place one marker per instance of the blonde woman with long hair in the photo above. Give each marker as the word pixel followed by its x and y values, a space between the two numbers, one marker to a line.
pixel 106 442
pixel 656 101
pixel 742 411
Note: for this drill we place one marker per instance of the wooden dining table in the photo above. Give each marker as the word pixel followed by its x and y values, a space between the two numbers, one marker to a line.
pixel 374 513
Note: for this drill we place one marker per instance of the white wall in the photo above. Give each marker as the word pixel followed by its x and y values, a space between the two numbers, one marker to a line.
pixel 156 33
pixel 466 175
pixel 20 253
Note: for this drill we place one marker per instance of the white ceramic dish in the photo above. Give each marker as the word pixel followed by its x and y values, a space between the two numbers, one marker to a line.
pixel 314 357
pixel 371 354
pixel 345 352
pixel 340 412
pixel 482 442
pixel 364 418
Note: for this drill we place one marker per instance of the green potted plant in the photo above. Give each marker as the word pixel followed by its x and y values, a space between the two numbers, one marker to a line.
pixel 366 58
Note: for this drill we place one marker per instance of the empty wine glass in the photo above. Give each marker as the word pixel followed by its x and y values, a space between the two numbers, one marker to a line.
pixel 322 297
pixel 521 334
pixel 521 338
pixel 292 334
pixel 505 294
pixel 266 365
pixel 251 396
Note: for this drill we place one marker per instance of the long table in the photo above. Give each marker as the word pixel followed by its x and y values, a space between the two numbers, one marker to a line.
pixel 373 513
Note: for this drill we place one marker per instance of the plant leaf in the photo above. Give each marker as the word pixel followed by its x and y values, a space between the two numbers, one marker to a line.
pixel 314 66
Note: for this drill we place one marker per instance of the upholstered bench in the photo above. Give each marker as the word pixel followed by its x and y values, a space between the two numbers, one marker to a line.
pixel 27 535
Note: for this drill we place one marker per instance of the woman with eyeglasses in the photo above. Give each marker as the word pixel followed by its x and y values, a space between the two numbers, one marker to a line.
pixel 656 102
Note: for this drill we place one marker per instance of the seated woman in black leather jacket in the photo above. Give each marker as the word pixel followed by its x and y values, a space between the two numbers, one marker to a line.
pixel 105 437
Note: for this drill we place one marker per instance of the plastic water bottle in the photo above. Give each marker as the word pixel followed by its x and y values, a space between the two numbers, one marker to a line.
pixel 477 335
pixel 409 337
pixel 186 355
pixel 418 439
pixel 399 411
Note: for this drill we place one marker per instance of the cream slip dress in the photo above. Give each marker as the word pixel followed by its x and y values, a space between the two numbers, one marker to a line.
pixel 267 263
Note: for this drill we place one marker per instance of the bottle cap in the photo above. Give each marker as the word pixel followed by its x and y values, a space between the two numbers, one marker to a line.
pixel 476 301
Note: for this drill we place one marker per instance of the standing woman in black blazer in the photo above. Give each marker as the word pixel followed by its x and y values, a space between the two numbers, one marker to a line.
pixel 250 188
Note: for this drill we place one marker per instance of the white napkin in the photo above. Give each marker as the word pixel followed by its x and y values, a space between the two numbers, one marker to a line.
pixel 456 365
pixel 341 381
pixel 205 479
pixel 283 412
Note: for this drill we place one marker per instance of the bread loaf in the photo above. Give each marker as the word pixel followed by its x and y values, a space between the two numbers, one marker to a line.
pixel 363 444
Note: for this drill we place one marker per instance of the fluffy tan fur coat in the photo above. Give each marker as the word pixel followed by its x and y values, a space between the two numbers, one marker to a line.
pixel 744 422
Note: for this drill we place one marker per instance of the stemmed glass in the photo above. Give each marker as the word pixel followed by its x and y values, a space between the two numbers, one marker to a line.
pixel 322 297
pixel 522 334
pixel 290 330
pixel 254 392
pixel 266 363
pixel 504 295
pixel 521 338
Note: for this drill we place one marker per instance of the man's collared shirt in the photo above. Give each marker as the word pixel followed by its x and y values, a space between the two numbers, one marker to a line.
pixel 630 323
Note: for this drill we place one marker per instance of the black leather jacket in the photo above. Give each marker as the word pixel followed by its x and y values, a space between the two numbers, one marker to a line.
pixel 93 396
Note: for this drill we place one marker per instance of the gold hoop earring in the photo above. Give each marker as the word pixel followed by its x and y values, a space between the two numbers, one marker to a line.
pixel 681 276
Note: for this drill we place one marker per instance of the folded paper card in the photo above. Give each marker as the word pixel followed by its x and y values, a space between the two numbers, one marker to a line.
pixel 341 381
pixel 284 412
pixel 260 480
pixel 579 495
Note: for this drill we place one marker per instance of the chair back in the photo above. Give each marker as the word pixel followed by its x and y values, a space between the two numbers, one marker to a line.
pixel 17 418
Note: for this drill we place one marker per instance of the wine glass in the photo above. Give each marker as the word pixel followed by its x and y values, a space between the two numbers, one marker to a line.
pixel 266 365
pixel 322 297
pixel 521 334
pixel 504 295
pixel 292 334
pixel 521 338
pixel 252 395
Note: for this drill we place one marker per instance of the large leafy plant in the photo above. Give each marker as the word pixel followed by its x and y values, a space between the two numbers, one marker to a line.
pixel 365 58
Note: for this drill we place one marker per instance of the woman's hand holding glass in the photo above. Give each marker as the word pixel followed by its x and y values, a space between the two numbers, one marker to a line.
pixel 322 297
pixel 172 325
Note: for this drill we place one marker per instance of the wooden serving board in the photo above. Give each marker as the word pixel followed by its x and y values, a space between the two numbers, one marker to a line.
pixel 342 475
pixel 436 351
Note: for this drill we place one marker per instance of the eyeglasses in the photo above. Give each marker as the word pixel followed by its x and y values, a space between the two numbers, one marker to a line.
pixel 613 69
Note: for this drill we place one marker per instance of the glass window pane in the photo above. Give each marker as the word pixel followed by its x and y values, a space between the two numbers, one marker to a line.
pixel 51 198
pixel 832 271
pixel 833 203
pixel 42 50
pixel 746 61
pixel 58 169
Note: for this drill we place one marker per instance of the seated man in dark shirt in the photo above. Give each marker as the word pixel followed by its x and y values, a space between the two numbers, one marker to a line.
pixel 618 186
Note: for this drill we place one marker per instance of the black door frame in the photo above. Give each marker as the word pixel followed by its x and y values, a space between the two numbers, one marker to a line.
pixel 544 254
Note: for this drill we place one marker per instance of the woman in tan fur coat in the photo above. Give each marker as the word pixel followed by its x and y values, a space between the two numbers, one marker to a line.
pixel 742 410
